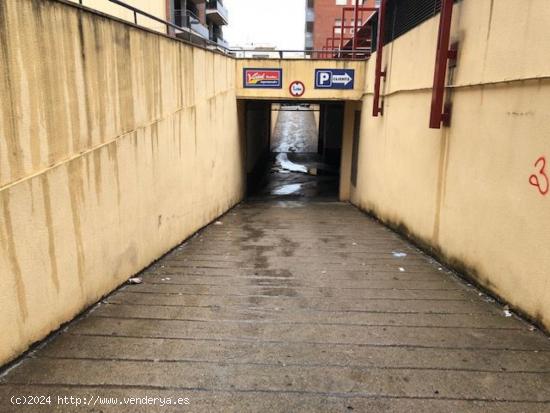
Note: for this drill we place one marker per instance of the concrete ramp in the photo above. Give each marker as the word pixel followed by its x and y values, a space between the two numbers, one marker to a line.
pixel 289 306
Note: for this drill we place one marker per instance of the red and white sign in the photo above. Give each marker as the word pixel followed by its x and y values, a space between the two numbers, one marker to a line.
pixel 297 89
pixel 262 78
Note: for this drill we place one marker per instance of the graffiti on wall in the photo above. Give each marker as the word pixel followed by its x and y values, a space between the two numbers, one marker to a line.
pixel 540 178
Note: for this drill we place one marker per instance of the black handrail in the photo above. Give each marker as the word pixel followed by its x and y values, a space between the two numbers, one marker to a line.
pixel 337 53
pixel 168 24
pixel 188 15
pixel 227 50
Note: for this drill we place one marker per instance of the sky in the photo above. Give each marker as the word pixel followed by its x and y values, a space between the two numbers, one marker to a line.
pixel 280 23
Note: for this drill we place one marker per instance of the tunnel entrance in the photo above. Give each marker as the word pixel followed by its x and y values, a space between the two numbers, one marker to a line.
pixel 293 149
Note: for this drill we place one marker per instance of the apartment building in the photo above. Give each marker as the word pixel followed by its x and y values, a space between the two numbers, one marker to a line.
pixel 324 20
pixel 203 18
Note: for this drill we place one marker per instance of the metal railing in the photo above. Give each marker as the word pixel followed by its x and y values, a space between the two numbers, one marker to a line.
pixel 186 34
pixel 334 54
pixel 186 18
pixel 172 29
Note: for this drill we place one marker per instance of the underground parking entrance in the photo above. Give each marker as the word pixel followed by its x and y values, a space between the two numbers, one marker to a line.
pixel 293 149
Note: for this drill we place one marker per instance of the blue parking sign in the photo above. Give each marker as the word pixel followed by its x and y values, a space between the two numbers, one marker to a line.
pixel 334 78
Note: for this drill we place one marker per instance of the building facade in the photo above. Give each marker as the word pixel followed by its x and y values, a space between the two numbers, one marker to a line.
pixel 155 8
pixel 204 18
pixel 324 20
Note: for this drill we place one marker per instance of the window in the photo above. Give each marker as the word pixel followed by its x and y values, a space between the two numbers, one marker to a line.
pixel 310 4
pixel 341 2
pixel 338 25
pixel 309 27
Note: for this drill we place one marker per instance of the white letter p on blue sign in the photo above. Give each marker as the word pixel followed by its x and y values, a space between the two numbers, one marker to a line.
pixel 325 79
pixel 334 79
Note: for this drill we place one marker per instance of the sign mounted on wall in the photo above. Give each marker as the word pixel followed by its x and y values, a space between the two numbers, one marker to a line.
pixel 334 78
pixel 297 89
pixel 262 78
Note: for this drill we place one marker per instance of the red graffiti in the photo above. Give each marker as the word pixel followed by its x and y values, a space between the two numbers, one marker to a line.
pixel 540 181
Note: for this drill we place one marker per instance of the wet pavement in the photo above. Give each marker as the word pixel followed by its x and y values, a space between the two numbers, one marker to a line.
pixel 290 304
pixel 298 176
pixel 285 306
pixel 295 130
pixel 297 171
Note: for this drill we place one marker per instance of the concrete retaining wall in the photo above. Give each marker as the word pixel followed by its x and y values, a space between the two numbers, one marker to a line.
pixel 155 8
pixel 465 191
pixel 115 145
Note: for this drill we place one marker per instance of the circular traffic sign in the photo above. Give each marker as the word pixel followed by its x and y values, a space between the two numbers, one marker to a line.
pixel 297 88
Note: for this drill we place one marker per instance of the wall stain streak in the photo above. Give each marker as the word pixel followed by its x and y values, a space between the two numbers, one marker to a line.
pixel 101 79
pixel 112 150
pixel 51 91
pixel 30 67
pixel 441 183
pixel 194 114
pixel 158 89
pixel 71 82
pixel 124 82
pixel 155 148
pixel 96 155
pixel 488 36
pixel 9 246
pixel 85 77
pixel 49 225
pixel 76 191
pixel 7 86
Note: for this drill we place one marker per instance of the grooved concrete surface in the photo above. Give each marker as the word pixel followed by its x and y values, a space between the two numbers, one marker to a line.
pixel 293 307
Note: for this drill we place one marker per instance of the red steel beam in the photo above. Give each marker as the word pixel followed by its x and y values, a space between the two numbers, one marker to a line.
pixel 352 8
pixel 443 54
pixel 355 9
pixel 342 28
pixel 340 36
pixel 376 108
pixel 355 23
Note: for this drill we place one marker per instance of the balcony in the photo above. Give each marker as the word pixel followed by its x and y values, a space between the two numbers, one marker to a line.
pixel 309 40
pixel 310 15
pixel 222 42
pixel 185 18
pixel 216 12
pixel 198 28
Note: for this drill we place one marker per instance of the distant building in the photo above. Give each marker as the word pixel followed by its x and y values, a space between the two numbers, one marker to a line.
pixel 322 16
pixel 256 51
pixel 155 8
pixel 204 19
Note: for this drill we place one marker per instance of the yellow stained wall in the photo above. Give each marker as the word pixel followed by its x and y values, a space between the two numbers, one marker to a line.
pixel 464 191
pixel 347 149
pixel 115 145
pixel 155 8
pixel 304 71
